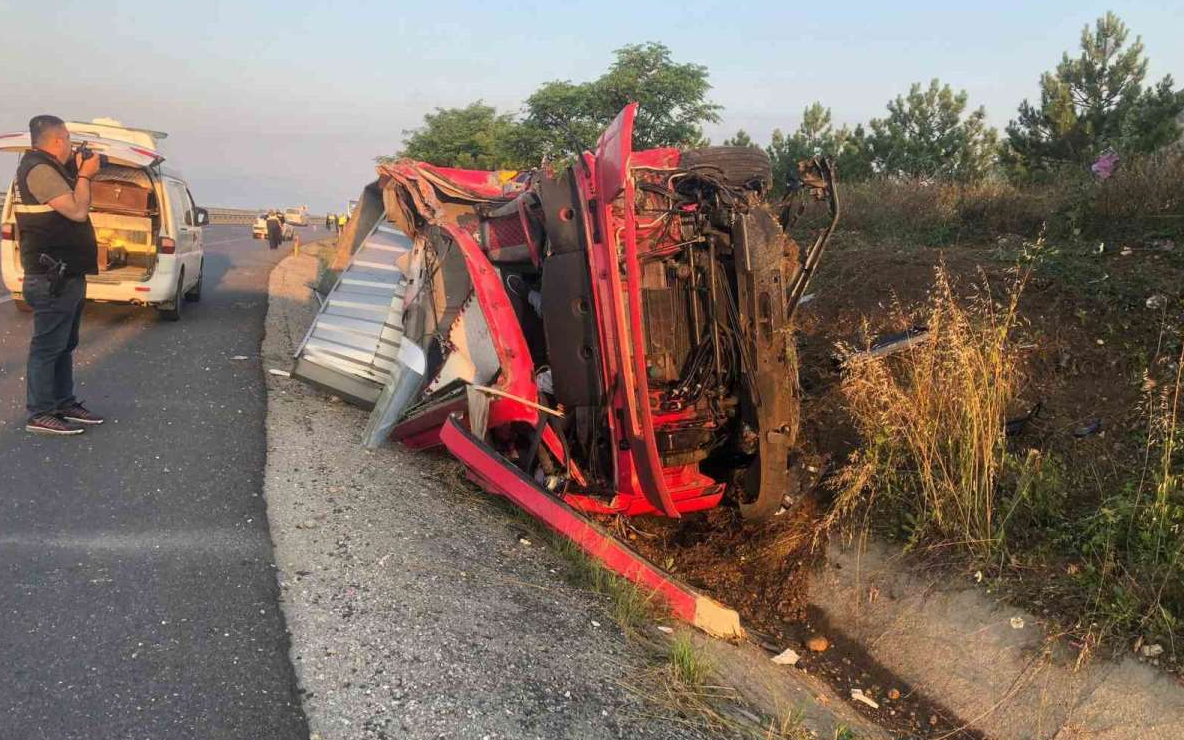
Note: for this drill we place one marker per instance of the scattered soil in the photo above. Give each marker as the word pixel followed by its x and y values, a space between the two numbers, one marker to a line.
pixel 763 571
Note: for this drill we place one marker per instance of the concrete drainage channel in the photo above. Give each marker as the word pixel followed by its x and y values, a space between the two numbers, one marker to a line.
pixel 419 608
pixel 995 665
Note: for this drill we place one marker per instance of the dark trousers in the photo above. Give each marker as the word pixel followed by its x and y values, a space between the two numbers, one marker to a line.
pixel 50 373
pixel 274 237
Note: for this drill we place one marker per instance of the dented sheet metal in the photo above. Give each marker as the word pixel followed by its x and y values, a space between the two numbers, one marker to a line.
pixel 353 343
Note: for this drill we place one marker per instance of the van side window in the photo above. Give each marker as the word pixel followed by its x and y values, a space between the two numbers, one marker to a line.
pixel 192 203
pixel 182 214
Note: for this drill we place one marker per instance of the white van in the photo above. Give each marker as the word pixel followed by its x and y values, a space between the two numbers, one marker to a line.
pixel 148 229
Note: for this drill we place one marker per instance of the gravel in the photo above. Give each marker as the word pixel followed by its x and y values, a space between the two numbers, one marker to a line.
pixel 415 608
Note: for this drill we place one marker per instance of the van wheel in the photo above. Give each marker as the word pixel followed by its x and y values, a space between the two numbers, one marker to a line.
pixel 172 311
pixel 194 294
pixel 21 305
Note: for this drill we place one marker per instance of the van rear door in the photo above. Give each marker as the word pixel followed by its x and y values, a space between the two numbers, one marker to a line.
pixel 117 151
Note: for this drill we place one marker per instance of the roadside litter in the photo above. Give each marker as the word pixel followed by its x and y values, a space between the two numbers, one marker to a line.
pixel 788 657
pixel 889 344
pixel 859 696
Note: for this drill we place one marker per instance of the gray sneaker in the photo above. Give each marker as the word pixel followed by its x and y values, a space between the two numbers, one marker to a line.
pixel 52 424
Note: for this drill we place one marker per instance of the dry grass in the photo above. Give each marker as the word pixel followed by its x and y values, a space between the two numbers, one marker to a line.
pixel 932 420
pixel 1144 197
pixel 1145 194
pixel 943 213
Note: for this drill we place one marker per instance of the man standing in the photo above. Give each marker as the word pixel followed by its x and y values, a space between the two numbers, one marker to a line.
pixel 58 250
pixel 275 230
pixel 328 222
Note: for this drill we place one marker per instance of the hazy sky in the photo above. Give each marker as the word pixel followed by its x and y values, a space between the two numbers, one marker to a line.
pixel 280 103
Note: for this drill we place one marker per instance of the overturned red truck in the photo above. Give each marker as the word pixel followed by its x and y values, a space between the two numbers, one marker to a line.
pixel 618 332
pixel 612 337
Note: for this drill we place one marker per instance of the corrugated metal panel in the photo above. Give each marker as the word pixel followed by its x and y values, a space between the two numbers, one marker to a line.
pixel 352 344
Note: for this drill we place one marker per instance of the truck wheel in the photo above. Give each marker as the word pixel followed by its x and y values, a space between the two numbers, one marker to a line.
pixel 172 310
pixel 21 305
pixel 194 294
pixel 757 502
pixel 742 166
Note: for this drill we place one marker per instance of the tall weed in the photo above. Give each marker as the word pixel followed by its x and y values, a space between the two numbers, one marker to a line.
pixel 932 421
pixel 1133 546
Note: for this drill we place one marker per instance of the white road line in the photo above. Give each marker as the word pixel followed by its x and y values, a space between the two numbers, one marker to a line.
pixel 5 298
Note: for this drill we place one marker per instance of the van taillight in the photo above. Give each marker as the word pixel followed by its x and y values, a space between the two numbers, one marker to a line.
pixel 167 246
pixel 7 231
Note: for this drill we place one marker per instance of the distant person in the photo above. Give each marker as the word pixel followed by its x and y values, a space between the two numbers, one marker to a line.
pixel 58 251
pixel 341 220
pixel 275 229
pixel 328 222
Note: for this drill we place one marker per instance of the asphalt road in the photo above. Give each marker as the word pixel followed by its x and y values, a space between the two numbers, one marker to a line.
pixel 138 596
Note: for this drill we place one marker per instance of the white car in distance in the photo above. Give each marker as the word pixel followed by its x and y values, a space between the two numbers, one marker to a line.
pixel 296 216
pixel 259 228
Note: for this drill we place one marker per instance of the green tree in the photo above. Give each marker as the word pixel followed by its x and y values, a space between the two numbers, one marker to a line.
pixel 740 139
pixel 929 134
pixel 1092 102
pixel 473 137
pixel 563 118
pixel 816 135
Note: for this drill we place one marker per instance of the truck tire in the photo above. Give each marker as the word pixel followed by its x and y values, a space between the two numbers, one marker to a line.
pixel 22 306
pixel 742 166
pixel 746 167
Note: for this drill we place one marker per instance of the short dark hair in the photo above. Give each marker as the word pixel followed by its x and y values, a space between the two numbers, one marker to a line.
pixel 39 126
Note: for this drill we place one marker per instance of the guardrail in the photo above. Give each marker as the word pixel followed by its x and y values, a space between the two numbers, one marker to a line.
pixel 246 216
pixel 232 216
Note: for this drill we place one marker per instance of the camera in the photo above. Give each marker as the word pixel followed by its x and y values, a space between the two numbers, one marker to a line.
pixel 86 153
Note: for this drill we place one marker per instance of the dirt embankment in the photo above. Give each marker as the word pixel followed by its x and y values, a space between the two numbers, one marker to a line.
pixel 1091 323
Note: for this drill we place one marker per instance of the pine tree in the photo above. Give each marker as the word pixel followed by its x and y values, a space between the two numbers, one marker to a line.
pixel 740 139
pixel 816 135
pixel 1093 102
pixel 928 134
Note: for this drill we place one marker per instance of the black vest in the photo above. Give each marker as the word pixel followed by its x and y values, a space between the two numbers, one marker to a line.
pixel 45 231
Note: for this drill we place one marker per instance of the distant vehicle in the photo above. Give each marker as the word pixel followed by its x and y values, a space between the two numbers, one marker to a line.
pixel 350 207
pixel 296 216
pixel 148 228
pixel 259 228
